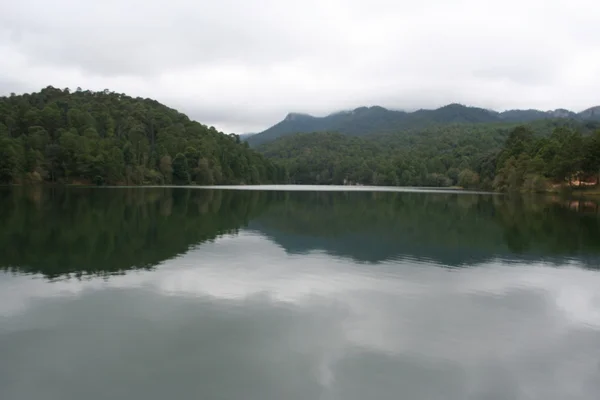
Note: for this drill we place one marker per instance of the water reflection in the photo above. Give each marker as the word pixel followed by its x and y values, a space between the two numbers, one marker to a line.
pixel 79 232
pixel 449 229
pixel 274 295
pixel 239 317
pixel 94 231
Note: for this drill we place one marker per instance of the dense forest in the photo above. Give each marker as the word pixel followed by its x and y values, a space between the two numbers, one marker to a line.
pixel 104 137
pixel 108 138
pixel 499 156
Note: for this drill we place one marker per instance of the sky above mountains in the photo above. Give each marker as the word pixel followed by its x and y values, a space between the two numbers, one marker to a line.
pixel 242 65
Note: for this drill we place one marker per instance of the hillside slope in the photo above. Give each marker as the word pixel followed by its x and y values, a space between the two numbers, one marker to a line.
pixel 104 137
pixel 369 120
pixel 469 155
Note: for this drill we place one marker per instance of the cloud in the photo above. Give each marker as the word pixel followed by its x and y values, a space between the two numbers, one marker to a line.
pixel 242 65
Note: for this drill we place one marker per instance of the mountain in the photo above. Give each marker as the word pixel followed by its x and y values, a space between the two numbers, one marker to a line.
pixel 356 122
pixel 592 114
pixel 366 120
pixel 105 137
pixel 523 115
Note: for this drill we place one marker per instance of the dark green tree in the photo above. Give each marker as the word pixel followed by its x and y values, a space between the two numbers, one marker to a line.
pixel 57 135
pixel 181 173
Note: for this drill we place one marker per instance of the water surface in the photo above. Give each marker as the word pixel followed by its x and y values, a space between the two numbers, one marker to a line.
pixel 152 293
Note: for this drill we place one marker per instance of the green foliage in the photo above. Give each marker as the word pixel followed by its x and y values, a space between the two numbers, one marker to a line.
pixel 529 163
pixel 468 179
pixel 430 157
pixel 502 157
pixel 180 169
pixel 9 159
pixel 106 137
pixel 591 157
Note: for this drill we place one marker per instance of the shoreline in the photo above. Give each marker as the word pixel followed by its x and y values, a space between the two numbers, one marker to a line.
pixel 566 191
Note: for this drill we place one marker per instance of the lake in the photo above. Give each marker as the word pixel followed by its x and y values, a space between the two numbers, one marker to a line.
pixel 187 293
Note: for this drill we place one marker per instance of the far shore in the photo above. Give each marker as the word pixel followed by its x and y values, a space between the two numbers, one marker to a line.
pixel 589 191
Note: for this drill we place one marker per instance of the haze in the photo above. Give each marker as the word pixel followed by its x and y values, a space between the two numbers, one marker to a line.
pixel 243 65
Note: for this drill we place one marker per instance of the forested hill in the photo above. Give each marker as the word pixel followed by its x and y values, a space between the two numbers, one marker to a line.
pixel 504 157
pixel 369 120
pixel 105 137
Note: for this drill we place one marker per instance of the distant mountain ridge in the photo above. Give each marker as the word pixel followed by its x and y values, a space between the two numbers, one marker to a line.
pixel 365 120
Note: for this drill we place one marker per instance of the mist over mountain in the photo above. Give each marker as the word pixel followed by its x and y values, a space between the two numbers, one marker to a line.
pixel 366 120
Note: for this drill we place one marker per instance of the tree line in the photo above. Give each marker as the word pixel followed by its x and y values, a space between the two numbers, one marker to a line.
pixel 530 163
pixel 57 135
pixel 103 137
pixel 503 157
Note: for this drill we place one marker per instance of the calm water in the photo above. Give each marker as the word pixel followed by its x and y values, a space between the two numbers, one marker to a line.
pixel 267 295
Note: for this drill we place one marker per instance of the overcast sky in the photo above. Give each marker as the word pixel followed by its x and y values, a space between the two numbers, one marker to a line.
pixel 242 65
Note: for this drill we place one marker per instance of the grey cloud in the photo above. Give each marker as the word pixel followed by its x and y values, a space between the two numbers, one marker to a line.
pixel 242 65
pixel 146 37
pixel 8 86
pixel 519 74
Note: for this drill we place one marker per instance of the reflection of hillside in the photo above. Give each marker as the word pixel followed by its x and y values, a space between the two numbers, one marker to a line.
pixel 103 231
pixel 447 228
pixel 549 226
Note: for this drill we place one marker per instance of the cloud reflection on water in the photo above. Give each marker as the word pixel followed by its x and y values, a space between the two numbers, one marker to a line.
pixel 524 330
